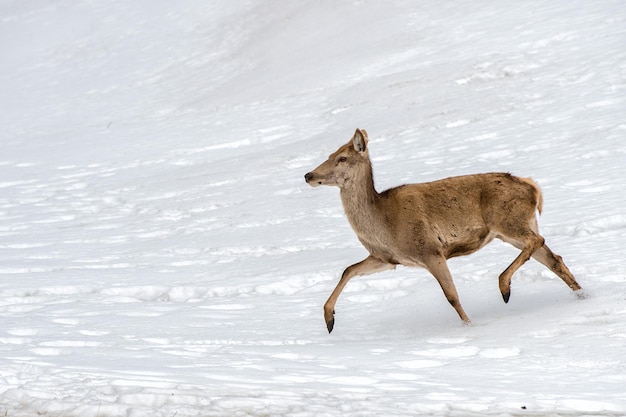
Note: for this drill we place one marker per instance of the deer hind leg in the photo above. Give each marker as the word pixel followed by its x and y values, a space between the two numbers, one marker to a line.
pixel 439 269
pixel 555 264
pixel 369 265
pixel 552 261
pixel 529 241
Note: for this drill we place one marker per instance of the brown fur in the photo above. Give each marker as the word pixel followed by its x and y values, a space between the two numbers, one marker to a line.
pixel 425 224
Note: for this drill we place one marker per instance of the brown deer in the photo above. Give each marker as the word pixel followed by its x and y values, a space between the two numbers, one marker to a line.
pixel 426 224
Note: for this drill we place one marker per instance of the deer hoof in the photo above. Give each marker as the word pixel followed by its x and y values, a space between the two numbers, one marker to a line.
pixel 330 320
pixel 580 294
pixel 330 324
pixel 506 296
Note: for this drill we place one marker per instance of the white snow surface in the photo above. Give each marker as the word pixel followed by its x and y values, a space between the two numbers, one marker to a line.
pixel 161 254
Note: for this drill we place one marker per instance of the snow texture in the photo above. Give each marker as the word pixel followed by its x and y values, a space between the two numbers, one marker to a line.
pixel 161 254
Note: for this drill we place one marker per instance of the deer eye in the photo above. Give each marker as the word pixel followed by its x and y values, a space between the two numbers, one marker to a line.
pixel 342 159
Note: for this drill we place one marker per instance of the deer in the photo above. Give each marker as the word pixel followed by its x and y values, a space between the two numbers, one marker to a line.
pixel 425 224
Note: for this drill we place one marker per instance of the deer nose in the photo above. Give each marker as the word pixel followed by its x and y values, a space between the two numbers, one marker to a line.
pixel 308 176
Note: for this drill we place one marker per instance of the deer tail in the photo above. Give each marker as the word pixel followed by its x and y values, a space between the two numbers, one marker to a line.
pixel 538 194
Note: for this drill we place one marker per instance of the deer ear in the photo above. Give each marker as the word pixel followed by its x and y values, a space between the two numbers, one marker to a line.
pixel 359 140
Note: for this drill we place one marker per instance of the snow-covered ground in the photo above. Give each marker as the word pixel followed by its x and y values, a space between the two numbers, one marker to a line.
pixel 161 255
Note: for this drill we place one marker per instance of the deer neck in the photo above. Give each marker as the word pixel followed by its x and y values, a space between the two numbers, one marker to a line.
pixel 361 202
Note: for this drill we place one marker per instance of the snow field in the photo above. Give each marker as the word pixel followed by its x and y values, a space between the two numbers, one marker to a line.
pixel 161 255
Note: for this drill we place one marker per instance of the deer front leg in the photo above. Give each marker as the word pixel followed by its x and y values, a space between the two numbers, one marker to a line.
pixel 439 268
pixel 369 265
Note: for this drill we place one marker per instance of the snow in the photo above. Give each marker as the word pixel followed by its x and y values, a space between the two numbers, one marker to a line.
pixel 161 255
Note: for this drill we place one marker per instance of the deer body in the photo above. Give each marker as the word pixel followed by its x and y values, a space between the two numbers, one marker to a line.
pixel 426 224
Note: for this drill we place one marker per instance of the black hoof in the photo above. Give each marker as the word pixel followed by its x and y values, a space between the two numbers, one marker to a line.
pixel 330 325
pixel 506 296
